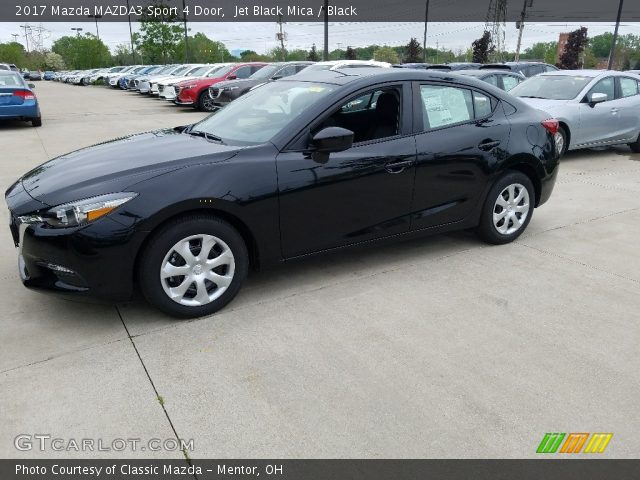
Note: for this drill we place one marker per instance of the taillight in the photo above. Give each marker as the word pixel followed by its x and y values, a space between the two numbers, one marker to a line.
pixel 552 125
pixel 26 94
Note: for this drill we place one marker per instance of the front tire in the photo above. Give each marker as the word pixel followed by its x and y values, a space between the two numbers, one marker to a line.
pixel 635 146
pixel 193 266
pixel 205 102
pixel 507 209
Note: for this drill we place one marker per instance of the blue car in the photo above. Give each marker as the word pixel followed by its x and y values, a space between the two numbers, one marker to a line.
pixel 17 100
pixel 48 75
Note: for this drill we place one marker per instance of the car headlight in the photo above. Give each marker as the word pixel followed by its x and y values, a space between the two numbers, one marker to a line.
pixel 229 89
pixel 81 212
pixel 188 87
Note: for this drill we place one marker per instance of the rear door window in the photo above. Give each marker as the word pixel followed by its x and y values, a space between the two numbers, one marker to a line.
pixel 509 81
pixel 628 87
pixel 443 105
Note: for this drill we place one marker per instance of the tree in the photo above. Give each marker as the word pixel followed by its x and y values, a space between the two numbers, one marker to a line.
pixel 313 54
pixel 296 55
pixel 386 54
pixel 600 45
pixel 13 52
pixel 122 55
pixel 53 61
pixel 350 54
pixel 545 51
pixel 576 43
pixel 482 48
pixel 159 37
pixel 413 52
pixel 202 50
pixel 82 52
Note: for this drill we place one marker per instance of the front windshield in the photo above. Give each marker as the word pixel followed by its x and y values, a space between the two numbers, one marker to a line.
pixel 166 69
pixel 180 71
pixel 221 72
pixel 266 72
pixel 198 72
pixel 551 87
pixel 262 113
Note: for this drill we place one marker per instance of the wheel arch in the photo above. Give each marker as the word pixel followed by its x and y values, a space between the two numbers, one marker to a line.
pixel 233 220
pixel 525 164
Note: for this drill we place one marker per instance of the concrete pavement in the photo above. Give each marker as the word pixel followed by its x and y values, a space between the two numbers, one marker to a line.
pixel 434 348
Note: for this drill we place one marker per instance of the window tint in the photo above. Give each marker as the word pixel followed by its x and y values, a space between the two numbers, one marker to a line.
pixel 492 79
pixel 536 69
pixel 628 87
pixel 509 82
pixel 254 69
pixel 299 68
pixel 365 102
pixel 445 105
pixel 371 116
pixel 481 104
pixel 605 86
pixel 287 71
pixel 243 72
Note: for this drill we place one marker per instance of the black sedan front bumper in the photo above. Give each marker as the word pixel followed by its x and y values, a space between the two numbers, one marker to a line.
pixel 95 260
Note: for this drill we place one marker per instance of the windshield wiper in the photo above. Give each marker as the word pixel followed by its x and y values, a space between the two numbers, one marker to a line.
pixel 208 136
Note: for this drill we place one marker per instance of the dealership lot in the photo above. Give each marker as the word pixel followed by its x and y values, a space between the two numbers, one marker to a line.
pixel 438 347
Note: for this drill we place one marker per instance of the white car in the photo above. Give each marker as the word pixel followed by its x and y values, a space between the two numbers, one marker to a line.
pixel 594 107
pixel 112 80
pixel 344 64
pixel 143 83
pixel 166 88
pixel 180 72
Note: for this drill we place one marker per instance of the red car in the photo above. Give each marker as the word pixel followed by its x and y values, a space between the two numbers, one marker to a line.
pixel 196 92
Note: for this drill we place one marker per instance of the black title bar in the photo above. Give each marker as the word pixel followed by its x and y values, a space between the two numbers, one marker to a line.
pixel 311 10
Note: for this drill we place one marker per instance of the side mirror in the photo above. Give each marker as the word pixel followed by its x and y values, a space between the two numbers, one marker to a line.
pixel 598 98
pixel 31 85
pixel 232 77
pixel 276 77
pixel 332 139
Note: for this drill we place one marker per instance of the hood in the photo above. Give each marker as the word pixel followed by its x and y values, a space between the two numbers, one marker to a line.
pixel 118 164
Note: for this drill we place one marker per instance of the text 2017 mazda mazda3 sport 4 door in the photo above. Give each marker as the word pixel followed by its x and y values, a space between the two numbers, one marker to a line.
pixel 298 166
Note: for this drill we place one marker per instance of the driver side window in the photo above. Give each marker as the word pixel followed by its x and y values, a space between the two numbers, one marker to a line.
pixel 606 86
pixel 370 116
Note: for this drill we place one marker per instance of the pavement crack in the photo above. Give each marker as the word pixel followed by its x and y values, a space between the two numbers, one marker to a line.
pixel 577 262
pixel 153 385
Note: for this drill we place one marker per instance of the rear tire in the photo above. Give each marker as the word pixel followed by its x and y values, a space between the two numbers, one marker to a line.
pixel 208 258
pixel 635 146
pixel 508 209
pixel 36 122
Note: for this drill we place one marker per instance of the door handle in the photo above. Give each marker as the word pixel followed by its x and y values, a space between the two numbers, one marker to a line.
pixel 614 111
pixel 397 166
pixel 488 144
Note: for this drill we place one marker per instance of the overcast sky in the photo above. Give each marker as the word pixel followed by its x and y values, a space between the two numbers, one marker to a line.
pixel 261 36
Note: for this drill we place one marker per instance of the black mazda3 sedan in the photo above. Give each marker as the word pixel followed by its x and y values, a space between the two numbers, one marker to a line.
pixel 295 167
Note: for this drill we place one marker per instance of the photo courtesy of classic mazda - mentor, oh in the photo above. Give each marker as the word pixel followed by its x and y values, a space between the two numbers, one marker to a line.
pixel 299 166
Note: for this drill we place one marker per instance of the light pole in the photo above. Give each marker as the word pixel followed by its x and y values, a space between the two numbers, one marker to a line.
pixel 15 37
pixel 133 52
pixel 424 41
pixel 325 53
pixel 26 35
pixel 520 26
pixel 612 53
pixel 78 30
pixel 186 36
pixel 96 17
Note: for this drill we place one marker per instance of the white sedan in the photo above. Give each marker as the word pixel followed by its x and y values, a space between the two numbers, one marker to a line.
pixel 594 107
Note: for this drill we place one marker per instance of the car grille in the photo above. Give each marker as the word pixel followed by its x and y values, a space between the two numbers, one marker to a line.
pixel 160 88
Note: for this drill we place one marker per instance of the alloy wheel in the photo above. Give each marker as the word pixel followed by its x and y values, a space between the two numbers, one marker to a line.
pixel 511 209
pixel 559 141
pixel 197 270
